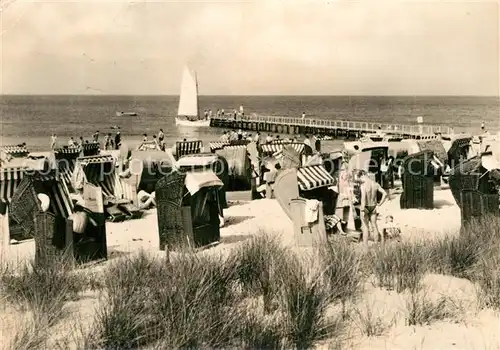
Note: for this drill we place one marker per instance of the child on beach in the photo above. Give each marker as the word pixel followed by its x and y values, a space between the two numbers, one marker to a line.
pixel 391 230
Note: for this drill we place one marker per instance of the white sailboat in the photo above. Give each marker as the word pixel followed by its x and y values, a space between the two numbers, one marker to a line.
pixel 188 111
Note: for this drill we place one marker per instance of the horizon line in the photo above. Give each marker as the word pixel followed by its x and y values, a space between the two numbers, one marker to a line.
pixel 252 95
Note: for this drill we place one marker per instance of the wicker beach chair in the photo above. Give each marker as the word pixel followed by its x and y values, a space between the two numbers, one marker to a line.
pixel 209 161
pixel 459 150
pixel 418 181
pixel 475 189
pixel 183 148
pixel 187 217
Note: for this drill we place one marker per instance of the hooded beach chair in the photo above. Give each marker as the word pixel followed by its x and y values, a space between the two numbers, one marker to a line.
pixel 188 209
pixel 208 161
pixel 474 185
pixel 14 151
pixel 459 150
pixel 302 194
pixel 53 228
pixel 119 193
pixel 418 181
pixel 217 145
pixel 66 158
pixel 183 148
pixel 241 175
pixel 11 175
pixel 91 148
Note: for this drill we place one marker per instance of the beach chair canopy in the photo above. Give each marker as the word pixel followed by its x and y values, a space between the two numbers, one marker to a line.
pixel 355 147
pixel 197 180
pixel 273 148
pixel 436 146
pixel 370 159
pixel 67 151
pixel 91 148
pixel 149 145
pixel 14 151
pixel 12 173
pixel 216 145
pixel 197 160
pixel 312 177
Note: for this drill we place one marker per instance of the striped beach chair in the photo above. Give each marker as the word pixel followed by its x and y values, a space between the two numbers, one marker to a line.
pixel 217 145
pixel 91 149
pixel 291 188
pixel 121 193
pixel 183 148
pixel 66 159
pixel 271 149
pixel 149 145
pixel 15 151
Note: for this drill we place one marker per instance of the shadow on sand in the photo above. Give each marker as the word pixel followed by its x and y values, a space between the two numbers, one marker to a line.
pixel 234 220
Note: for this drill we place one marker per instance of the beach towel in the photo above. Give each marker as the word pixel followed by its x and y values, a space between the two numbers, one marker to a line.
pixel 311 210
pixel 78 178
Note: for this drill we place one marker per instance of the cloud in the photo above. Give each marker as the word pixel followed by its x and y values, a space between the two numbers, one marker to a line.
pixel 254 47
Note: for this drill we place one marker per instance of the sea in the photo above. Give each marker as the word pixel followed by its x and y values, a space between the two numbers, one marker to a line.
pixel 32 119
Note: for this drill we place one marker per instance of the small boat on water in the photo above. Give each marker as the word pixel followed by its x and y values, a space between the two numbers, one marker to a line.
pixel 127 114
pixel 188 113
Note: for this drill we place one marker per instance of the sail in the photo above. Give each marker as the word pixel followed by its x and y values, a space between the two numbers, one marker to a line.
pixel 188 101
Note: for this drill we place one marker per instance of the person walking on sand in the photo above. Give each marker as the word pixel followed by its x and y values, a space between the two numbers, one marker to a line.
pixel 53 141
pixel 368 206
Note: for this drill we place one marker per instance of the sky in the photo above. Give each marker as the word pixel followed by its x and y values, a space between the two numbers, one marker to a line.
pixel 250 48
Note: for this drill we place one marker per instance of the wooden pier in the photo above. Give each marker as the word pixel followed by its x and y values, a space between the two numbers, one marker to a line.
pixel 334 128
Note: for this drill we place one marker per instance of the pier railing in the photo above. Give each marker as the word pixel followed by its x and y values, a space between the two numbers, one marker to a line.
pixel 344 124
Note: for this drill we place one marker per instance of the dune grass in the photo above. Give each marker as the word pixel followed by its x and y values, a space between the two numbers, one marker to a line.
pixel 259 295
pixel 43 288
pixel 400 266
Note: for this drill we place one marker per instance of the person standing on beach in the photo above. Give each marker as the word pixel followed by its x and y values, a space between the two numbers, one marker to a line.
pixel 483 126
pixel 53 141
pixel 157 145
pixel 118 140
pixel 95 137
pixel 307 142
pixel 71 142
pixel 257 137
pixel 303 115
pixel 161 136
pixel 368 206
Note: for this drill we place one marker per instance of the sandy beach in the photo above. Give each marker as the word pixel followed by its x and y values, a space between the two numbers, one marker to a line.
pixel 476 330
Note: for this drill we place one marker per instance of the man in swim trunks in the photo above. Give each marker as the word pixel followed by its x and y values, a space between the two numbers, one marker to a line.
pixel 369 203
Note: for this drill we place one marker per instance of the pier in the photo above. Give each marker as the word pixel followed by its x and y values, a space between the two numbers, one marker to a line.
pixel 334 128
